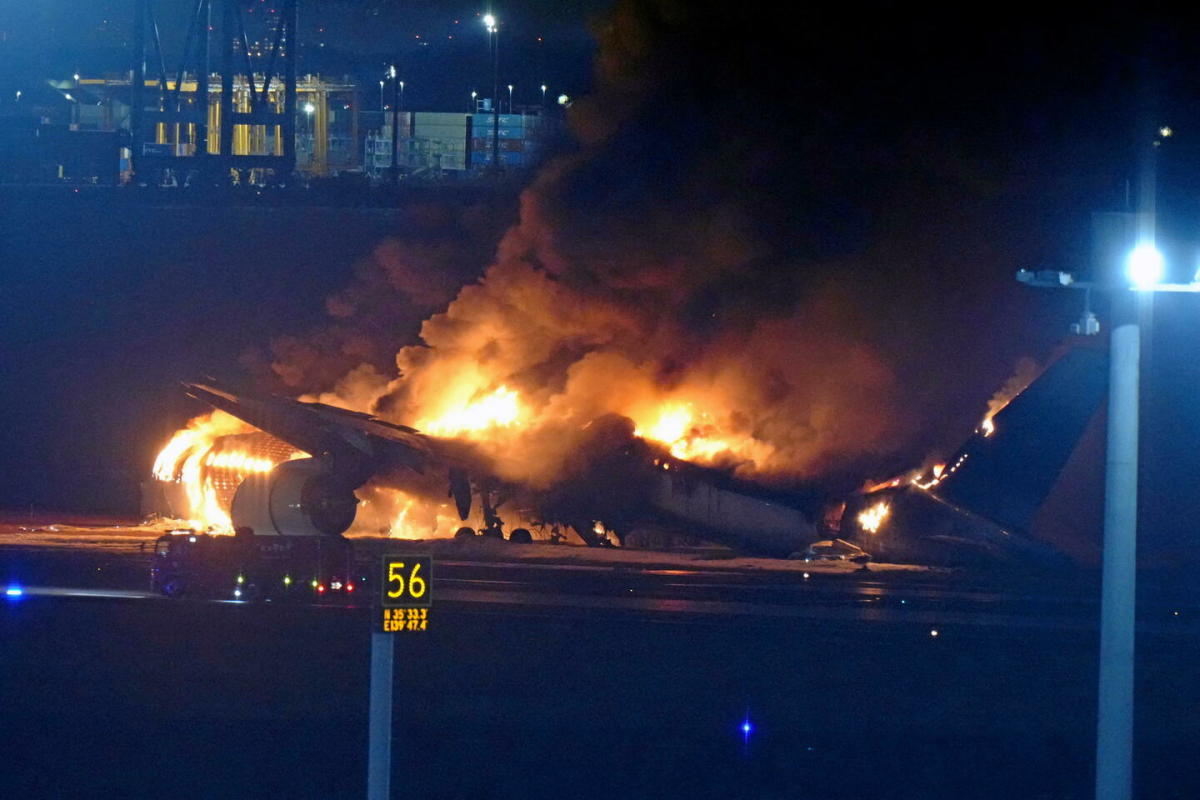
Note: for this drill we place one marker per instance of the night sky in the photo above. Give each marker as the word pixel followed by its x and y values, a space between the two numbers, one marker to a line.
pixel 903 161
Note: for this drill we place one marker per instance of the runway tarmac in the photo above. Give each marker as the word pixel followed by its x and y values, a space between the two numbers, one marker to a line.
pixel 565 676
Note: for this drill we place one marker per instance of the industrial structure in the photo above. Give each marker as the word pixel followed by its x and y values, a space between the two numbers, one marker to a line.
pixel 227 105
pixel 193 126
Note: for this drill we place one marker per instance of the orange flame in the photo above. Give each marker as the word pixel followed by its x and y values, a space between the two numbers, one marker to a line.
pixel 499 408
pixel 193 460
pixel 692 436
pixel 872 519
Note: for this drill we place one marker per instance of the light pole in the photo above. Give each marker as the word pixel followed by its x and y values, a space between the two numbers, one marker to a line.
pixel 309 110
pixel 1143 268
pixel 510 88
pixel 405 123
pixel 471 108
pixel 381 97
pixel 395 123
pixel 490 23
pixel 543 95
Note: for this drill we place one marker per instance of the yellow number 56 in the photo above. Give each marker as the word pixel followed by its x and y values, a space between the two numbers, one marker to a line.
pixel 416 584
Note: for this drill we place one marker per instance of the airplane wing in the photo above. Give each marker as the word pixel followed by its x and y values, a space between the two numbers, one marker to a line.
pixel 354 446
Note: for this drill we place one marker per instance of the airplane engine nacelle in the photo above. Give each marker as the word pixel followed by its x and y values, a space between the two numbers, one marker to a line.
pixel 296 498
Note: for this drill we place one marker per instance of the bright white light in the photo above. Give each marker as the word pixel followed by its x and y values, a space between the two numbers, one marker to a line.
pixel 392 71
pixel 77 77
pixel 309 108
pixel 1165 131
pixel 14 591
pixel 1144 266
pixel 563 100
pixel 489 22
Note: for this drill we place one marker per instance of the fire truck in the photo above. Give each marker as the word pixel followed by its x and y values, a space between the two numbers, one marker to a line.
pixel 246 567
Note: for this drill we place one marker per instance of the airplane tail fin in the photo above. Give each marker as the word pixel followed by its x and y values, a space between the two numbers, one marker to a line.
pixel 1005 475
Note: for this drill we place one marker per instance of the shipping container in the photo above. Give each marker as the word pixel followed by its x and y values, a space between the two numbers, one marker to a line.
pixel 511 121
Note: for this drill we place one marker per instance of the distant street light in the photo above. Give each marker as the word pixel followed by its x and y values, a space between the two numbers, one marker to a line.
pixel 543 94
pixel 473 96
pixel 381 97
pixel 510 88
pixel 309 108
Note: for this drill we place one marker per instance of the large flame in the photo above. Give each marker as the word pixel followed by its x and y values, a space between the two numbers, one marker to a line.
pixel 697 436
pixel 475 414
pixel 196 460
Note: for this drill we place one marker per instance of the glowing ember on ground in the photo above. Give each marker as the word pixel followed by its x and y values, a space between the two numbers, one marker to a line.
pixel 872 519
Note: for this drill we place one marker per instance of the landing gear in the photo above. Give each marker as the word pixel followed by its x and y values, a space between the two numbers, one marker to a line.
pixel 493 526
pixel 464 533
pixel 520 536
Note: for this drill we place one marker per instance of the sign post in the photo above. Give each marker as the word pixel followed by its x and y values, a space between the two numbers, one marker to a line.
pixel 379 722
pixel 403 605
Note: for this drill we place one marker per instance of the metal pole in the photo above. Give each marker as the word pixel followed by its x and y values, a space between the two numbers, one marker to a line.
pixel 1114 733
pixel 395 124
pixel 292 9
pixel 201 104
pixel 137 104
pixel 228 24
pixel 379 723
pixel 496 99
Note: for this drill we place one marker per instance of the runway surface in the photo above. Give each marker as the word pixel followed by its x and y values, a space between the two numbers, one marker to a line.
pixel 576 674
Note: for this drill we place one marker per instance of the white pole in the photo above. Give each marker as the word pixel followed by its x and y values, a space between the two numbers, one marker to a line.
pixel 1114 734
pixel 379 723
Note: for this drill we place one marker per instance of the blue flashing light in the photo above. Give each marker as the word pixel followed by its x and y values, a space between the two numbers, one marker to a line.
pixel 14 591
pixel 747 727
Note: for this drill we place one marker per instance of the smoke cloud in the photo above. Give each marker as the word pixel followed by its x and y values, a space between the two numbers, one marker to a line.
pixel 817 289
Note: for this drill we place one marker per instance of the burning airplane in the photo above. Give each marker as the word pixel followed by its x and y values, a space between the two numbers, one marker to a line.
pixel 308 466
pixel 282 466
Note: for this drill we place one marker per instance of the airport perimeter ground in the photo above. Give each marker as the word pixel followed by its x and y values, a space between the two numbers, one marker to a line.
pixel 562 673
